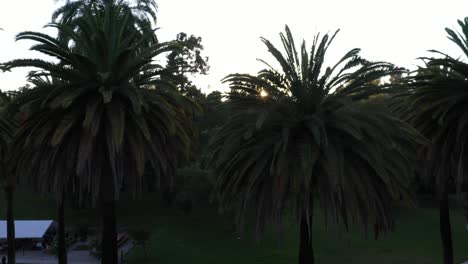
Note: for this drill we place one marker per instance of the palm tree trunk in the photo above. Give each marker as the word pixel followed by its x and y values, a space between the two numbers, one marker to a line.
pixel 445 227
pixel 62 247
pixel 10 226
pixel 306 252
pixel 145 254
pixel 109 225
pixel 109 233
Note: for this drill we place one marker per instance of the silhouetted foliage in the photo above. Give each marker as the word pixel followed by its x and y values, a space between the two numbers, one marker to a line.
pixel 143 12
pixel 185 62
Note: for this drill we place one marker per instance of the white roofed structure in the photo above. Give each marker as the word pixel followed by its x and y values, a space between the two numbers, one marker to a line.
pixel 28 229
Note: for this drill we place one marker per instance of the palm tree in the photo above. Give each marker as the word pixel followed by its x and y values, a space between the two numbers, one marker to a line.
pixel 303 136
pixel 100 116
pixel 435 103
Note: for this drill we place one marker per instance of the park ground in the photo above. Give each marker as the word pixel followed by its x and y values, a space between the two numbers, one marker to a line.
pixel 204 236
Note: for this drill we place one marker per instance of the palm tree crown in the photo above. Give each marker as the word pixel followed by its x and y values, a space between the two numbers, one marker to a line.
pixel 305 132
pixel 101 111
pixel 435 103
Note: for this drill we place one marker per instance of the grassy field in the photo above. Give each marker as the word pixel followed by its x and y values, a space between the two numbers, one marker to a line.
pixel 202 238
pixel 208 238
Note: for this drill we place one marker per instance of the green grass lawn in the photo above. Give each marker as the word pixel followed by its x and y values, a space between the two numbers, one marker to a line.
pixel 206 237
pixel 203 238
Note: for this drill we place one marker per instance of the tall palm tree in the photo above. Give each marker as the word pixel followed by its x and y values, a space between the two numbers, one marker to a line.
pixel 304 135
pixel 436 102
pixel 103 117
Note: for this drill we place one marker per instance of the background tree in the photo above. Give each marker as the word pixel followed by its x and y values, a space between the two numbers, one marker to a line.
pixel 303 136
pixel 143 13
pixel 435 102
pixel 181 65
pixel 106 118
pixel 186 62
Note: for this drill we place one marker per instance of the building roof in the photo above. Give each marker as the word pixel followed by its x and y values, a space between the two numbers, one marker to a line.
pixel 26 229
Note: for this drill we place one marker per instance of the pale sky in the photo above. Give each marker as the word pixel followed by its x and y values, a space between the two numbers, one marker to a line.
pixel 397 31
